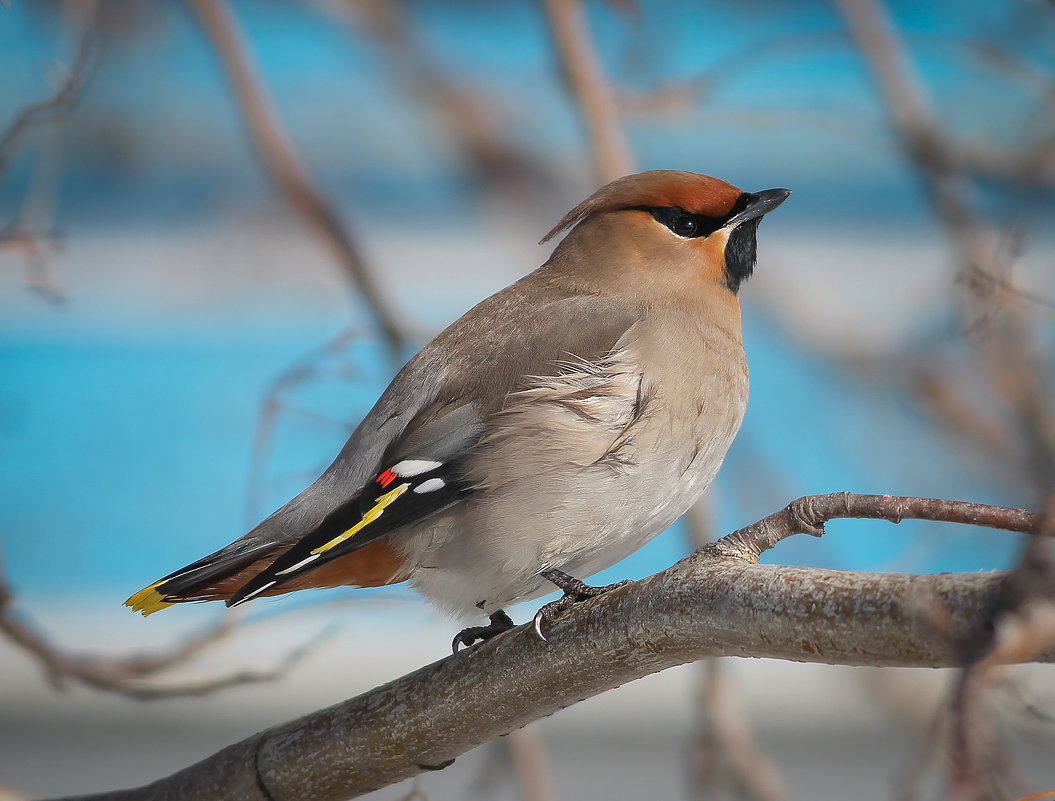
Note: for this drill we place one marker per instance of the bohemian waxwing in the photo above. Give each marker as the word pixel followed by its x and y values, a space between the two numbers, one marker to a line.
pixel 551 431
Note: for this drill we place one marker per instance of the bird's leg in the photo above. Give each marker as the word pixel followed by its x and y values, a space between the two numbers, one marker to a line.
pixel 574 591
pixel 500 622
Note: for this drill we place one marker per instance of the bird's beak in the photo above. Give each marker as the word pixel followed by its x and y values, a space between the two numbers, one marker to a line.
pixel 758 203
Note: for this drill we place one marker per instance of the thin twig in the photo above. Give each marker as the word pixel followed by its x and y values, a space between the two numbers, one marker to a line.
pixel 294 375
pixel 125 675
pixel 474 122
pixel 1021 623
pixel 1018 376
pixel 581 66
pixel 808 515
pixel 290 660
pixel 78 77
pixel 31 230
pixel 282 162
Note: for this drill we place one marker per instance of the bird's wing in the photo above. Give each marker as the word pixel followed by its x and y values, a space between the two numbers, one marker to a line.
pixel 402 463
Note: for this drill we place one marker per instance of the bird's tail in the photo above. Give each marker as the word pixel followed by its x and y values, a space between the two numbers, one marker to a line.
pixel 212 578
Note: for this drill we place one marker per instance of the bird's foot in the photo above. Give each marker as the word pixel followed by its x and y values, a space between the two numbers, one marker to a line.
pixel 574 591
pixel 500 622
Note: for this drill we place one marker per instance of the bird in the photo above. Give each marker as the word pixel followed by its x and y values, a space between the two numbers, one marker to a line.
pixel 548 433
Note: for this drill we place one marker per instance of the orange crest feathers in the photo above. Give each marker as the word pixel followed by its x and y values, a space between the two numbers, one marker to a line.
pixel 697 194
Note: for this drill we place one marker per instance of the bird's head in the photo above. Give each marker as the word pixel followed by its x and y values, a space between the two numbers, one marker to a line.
pixel 667 227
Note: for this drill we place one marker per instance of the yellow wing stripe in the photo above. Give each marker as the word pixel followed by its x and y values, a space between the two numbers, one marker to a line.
pixel 379 508
pixel 148 600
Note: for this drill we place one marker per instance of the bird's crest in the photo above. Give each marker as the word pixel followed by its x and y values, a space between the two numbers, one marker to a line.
pixel 696 194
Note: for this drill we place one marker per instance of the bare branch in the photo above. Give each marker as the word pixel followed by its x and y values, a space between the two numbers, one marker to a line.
pixel 124 675
pixel 1020 623
pixel 727 740
pixel 724 742
pixel 809 514
pixel 31 231
pixel 281 160
pixel 294 375
pixel 916 124
pixel 585 77
pixel 154 692
pixel 1020 377
pixel 79 75
pixel 530 764
pixel 708 604
pixel 474 122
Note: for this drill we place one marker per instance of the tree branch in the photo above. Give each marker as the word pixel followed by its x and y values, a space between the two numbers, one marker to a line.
pixel 585 77
pixel 125 675
pixel 79 75
pixel 709 604
pixel 1019 375
pixel 279 157
pixel 808 516
pixel 31 231
pixel 725 749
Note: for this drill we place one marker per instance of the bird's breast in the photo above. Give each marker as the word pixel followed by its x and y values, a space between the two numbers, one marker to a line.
pixel 597 459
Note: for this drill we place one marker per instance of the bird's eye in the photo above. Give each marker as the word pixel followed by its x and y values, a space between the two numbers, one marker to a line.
pixel 683 225
pixel 681 222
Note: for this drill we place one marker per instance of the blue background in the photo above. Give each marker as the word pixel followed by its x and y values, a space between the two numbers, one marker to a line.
pixel 127 425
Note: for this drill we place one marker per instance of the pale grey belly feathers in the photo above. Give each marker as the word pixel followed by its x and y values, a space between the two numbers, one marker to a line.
pixel 578 471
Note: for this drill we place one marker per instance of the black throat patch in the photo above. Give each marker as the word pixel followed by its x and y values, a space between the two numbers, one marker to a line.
pixel 741 253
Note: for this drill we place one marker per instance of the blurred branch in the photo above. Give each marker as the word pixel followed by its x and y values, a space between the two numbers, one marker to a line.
pixel 1021 624
pixel 724 743
pixel 917 127
pixel 1032 165
pixel 473 121
pixel 77 78
pixel 581 66
pixel 710 603
pixel 281 160
pixel 124 675
pixel 1035 165
pixel 756 55
pixel 30 232
pixel 922 138
pixel 530 764
pixel 415 794
pixel 294 375
pixel 1018 376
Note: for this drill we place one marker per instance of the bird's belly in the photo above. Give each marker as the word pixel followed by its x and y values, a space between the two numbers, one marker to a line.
pixel 577 472
pixel 487 553
pixel 645 507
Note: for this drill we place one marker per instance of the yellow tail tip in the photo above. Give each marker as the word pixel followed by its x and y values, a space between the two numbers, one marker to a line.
pixel 148 600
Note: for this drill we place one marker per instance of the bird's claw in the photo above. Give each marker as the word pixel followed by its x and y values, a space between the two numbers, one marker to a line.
pixel 500 622
pixel 574 591
pixel 551 610
pixel 538 625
